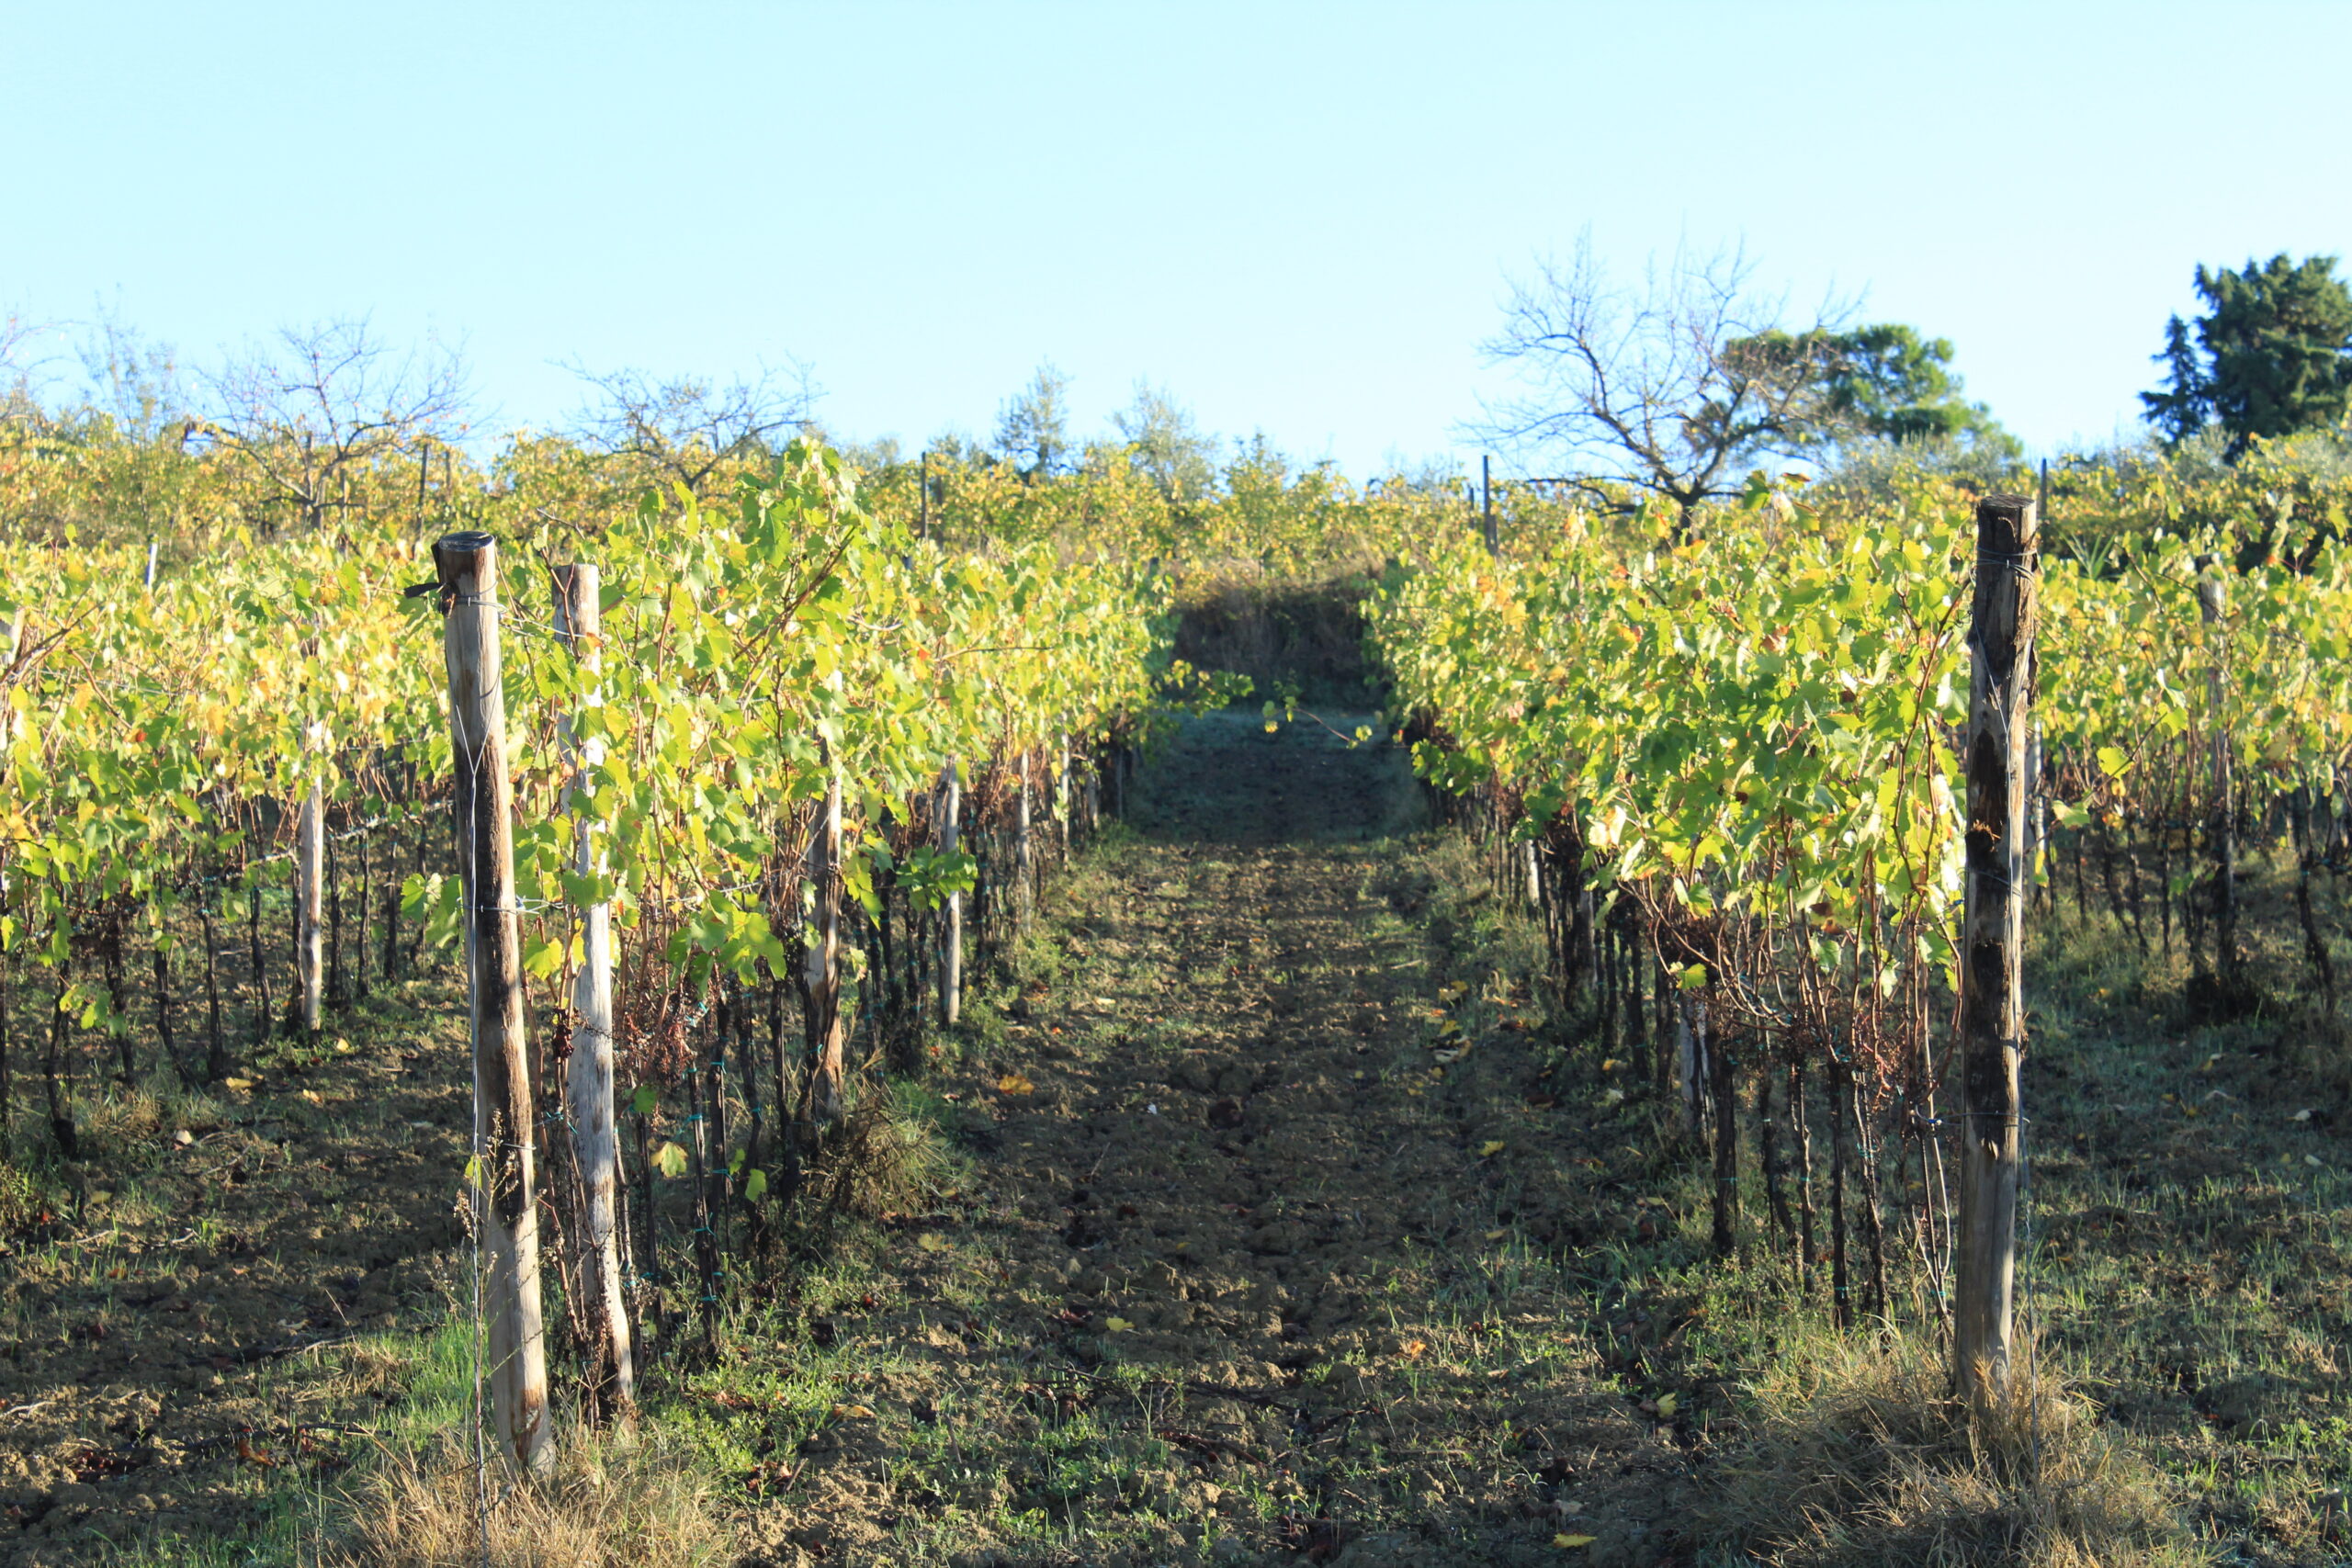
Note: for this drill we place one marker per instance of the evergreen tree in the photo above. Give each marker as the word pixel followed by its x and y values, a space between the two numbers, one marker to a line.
pixel 1033 427
pixel 2272 355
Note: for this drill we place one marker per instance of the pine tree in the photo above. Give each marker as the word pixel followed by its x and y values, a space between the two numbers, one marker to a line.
pixel 2272 355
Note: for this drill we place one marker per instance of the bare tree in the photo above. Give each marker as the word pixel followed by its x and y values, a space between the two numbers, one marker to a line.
pixel 133 380
pixel 1675 386
pixel 686 427
pixel 18 404
pixel 320 403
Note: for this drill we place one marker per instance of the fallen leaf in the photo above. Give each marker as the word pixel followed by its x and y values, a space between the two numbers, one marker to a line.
pixel 1013 1083
pixel 1666 1403
pixel 1497 1234
pixel 1411 1350
pixel 852 1413
pixel 1610 1063
pixel 1490 1148
pixel 314 1097
pixel 931 1241
pixel 1117 1324
pixel 1572 1541
pixel 237 1083
pixel 2303 1115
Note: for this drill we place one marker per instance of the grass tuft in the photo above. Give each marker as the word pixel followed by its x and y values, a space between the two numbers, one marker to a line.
pixel 1859 1456
pixel 628 1502
pixel 886 1156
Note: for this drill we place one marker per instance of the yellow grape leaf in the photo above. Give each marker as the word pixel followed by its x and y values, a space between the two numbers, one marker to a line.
pixel 1570 1542
pixel 1453 991
pixel 1666 1403
pixel 931 1241
pixel 1013 1083
pixel 1610 1063
pixel 1411 1350
pixel 239 1083
pixel 1497 1234
pixel 314 1097
pixel 1490 1148
pixel 1117 1324
pixel 852 1413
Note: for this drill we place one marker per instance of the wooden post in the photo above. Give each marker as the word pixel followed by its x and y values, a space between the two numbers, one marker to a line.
pixel 216 1049
pixel 505 1205
pixel 588 1076
pixel 825 1100
pixel 1065 801
pixel 951 925
pixel 1486 504
pixel 309 864
pixel 1992 1004
pixel 1024 860
pixel 2037 825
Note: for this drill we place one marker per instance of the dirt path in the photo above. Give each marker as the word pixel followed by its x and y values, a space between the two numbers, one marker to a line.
pixel 1245 1274
pixel 1265 1242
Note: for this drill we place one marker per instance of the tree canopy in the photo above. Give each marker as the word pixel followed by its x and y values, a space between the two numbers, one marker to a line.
pixel 1886 381
pixel 2271 356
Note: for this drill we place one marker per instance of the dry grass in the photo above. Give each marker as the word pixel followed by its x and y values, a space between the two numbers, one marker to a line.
pixel 1860 1457
pixel 625 1504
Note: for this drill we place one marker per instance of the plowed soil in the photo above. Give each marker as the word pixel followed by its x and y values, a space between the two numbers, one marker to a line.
pixel 219 1280
pixel 1249 1271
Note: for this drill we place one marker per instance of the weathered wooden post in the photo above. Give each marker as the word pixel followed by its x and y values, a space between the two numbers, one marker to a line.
pixel 1486 504
pixel 588 1076
pixel 1024 860
pixel 1992 1005
pixel 310 864
pixel 826 1106
pixel 951 923
pixel 505 1203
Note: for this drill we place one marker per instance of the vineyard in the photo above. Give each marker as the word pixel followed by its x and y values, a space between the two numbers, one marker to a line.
pixel 783 1012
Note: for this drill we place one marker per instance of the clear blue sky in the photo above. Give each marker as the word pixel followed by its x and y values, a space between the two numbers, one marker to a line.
pixel 1299 217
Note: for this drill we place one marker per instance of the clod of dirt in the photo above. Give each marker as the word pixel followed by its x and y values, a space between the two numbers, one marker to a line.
pixel 1225 1114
